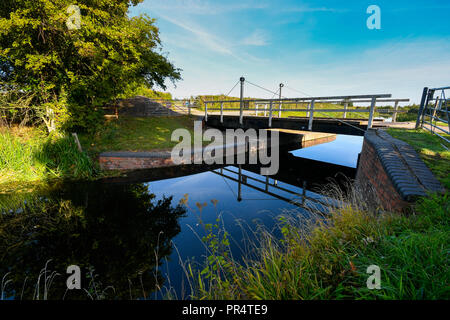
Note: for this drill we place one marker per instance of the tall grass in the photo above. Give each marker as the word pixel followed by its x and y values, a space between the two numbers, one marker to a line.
pixel 31 155
pixel 329 258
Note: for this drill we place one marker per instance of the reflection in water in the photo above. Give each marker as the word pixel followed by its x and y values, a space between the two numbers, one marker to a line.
pixel 115 229
pixel 117 226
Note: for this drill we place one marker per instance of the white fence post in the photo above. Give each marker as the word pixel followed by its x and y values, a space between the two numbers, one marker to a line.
pixel 311 116
pixel 270 114
pixel 371 113
pixel 394 116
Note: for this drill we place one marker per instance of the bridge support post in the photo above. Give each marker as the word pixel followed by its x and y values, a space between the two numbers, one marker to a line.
pixel 270 114
pixel 206 111
pixel 311 116
pixel 241 111
pixel 279 109
pixel 394 116
pixel 422 106
pixel 221 112
pixel 345 110
pixel 371 113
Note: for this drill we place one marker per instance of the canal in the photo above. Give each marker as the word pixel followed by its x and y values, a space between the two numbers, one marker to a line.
pixel 134 237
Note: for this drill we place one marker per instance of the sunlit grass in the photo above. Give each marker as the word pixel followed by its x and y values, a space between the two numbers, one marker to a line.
pixel 430 148
pixel 136 134
pixel 29 154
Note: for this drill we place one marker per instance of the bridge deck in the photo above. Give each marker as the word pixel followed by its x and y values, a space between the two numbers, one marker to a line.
pixel 305 138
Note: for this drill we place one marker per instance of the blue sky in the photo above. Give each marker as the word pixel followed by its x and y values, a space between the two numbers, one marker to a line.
pixel 315 47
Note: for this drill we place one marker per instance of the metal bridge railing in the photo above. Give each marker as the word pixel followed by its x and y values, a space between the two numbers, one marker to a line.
pixel 267 106
pixel 310 101
pixel 433 112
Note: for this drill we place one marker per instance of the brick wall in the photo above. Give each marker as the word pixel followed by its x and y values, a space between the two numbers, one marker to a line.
pixel 372 176
pixel 394 170
pixel 124 163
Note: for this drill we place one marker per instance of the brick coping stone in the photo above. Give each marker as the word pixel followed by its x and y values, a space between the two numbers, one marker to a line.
pixel 409 174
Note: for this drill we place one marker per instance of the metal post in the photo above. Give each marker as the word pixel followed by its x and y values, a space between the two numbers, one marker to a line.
pixel 270 114
pixel 371 113
pixel 206 111
pixel 279 109
pixel 345 109
pixel 256 109
pixel 422 106
pixel 241 111
pixel 239 185
pixel 311 116
pixel 221 112
pixel 394 116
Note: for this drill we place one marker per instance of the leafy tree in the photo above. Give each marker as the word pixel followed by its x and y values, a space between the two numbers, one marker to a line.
pixel 73 72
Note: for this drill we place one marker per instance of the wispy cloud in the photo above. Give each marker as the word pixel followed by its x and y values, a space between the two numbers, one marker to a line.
pixel 204 7
pixel 257 38
pixel 203 37
pixel 311 9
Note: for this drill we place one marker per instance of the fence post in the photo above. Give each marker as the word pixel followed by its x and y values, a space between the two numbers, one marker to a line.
pixel 422 106
pixel 371 112
pixel 206 111
pixel 270 114
pixel 311 116
pixel 394 117
pixel 241 111
pixel 345 109
pixel 279 109
pixel 221 112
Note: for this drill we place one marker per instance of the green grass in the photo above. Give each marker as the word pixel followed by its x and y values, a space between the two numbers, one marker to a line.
pixel 329 260
pixel 136 134
pixel 28 154
pixel 430 148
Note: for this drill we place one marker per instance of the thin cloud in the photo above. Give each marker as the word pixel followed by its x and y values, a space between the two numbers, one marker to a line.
pixel 205 38
pixel 257 38
pixel 202 7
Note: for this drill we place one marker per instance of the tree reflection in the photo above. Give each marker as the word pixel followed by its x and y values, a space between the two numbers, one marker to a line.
pixel 120 230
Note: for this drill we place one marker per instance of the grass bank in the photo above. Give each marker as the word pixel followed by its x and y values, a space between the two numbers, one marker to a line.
pixel 29 154
pixel 136 134
pixel 330 257
pixel 430 148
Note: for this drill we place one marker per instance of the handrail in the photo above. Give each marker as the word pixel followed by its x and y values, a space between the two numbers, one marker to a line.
pixel 306 99
pixel 346 100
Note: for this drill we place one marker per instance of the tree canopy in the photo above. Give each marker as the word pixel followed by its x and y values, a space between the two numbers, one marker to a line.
pixel 73 71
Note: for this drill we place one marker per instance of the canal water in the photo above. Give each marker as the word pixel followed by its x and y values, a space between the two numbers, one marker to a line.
pixel 132 237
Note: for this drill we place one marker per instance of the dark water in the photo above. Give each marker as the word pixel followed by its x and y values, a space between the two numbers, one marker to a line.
pixel 132 233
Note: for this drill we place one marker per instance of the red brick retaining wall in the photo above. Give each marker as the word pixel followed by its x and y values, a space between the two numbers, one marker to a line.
pixel 372 175
pixel 394 170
